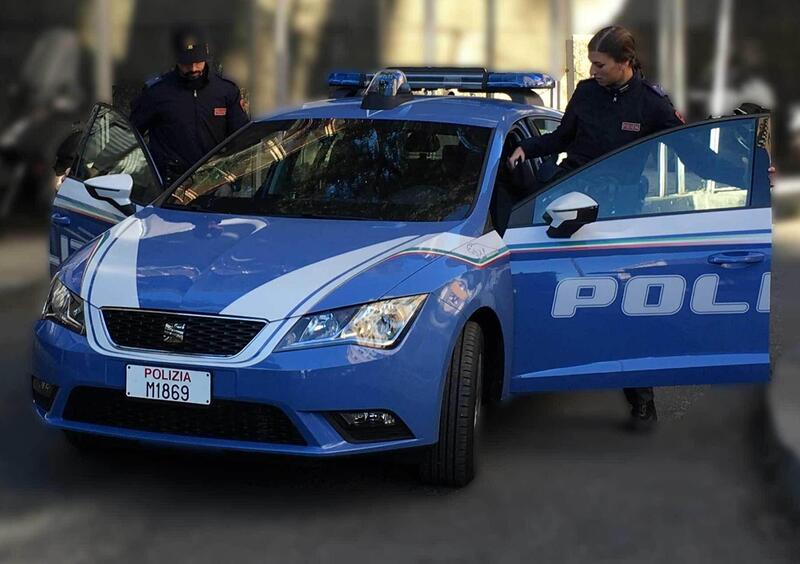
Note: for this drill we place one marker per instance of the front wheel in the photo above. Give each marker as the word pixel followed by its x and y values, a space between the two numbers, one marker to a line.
pixel 451 461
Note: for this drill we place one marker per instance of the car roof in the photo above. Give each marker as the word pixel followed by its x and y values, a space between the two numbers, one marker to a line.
pixel 467 110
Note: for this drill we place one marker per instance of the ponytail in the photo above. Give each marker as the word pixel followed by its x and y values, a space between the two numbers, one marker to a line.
pixel 619 44
pixel 636 65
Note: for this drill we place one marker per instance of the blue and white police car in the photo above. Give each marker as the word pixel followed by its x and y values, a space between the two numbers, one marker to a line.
pixel 362 274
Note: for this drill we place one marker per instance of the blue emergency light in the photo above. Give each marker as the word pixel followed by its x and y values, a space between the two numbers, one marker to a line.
pixel 393 86
pixel 348 79
pixel 466 79
pixel 519 81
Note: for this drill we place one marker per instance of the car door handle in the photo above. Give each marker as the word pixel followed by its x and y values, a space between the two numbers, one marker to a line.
pixel 740 258
pixel 59 219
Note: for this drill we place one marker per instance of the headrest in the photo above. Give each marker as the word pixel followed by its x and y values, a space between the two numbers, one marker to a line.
pixel 422 142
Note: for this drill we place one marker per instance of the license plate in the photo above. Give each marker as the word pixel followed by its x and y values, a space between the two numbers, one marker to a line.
pixel 168 384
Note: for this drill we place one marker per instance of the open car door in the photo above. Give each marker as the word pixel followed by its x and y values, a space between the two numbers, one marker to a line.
pixel 650 266
pixel 112 177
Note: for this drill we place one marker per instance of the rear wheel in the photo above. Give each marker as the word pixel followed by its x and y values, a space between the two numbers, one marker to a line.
pixel 451 461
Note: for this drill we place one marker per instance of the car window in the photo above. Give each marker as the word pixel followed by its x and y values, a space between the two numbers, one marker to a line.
pixel 704 167
pixel 112 148
pixel 393 170
pixel 545 125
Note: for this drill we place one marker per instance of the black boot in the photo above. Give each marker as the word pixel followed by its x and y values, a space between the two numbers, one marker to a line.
pixel 643 417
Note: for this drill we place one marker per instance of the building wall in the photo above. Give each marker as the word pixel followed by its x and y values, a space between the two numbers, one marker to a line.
pixel 323 35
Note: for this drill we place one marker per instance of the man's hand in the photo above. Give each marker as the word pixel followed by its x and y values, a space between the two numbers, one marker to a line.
pixel 516 157
pixel 772 172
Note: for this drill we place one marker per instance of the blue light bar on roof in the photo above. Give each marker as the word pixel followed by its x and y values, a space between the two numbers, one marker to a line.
pixel 466 79
pixel 519 81
pixel 348 79
pixel 433 78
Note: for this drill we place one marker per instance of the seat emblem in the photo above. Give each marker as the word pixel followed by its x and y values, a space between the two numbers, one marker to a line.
pixel 173 332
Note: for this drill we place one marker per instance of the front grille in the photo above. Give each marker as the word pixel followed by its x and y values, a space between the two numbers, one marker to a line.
pixel 223 419
pixel 209 335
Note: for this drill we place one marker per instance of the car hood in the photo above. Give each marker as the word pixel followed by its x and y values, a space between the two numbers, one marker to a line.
pixel 269 268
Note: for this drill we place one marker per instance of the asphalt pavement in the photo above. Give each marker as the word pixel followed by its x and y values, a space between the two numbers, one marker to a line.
pixel 559 482
pixel 782 421
pixel 23 261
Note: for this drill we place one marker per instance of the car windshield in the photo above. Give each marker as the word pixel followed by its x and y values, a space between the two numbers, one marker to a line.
pixel 341 169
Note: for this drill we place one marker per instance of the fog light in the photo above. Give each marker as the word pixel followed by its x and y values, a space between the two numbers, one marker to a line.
pixel 43 393
pixel 369 419
pixel 369 426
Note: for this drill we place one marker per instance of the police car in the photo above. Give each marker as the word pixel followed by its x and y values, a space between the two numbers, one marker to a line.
pixel 362 274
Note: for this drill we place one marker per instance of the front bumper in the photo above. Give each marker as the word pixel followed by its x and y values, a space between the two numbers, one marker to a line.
pixel 305 385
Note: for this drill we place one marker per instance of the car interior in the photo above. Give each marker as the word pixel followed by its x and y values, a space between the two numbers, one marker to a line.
pixel 511 187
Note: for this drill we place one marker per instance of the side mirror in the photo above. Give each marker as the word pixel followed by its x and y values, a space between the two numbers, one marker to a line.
pixel 568 213
pixel 115 187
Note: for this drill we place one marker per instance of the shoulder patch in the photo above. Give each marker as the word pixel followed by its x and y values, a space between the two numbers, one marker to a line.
pixel 655 88
pixel 152 81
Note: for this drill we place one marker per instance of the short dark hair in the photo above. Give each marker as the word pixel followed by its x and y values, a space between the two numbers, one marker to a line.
pixel 616 42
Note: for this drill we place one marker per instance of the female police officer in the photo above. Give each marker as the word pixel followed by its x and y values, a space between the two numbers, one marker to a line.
pixel 609 110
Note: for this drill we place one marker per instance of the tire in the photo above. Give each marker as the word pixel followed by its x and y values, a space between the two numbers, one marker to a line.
pixel 451 461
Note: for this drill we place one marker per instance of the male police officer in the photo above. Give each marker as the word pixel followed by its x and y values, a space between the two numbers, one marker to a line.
pixel 188 110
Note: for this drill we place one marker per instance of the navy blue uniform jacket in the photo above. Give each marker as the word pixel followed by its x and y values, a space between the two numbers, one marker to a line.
pixel 599 119
pixel 186 118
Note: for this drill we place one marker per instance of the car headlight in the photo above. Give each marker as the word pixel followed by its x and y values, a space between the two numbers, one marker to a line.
pixel 377 324
pixel 64 307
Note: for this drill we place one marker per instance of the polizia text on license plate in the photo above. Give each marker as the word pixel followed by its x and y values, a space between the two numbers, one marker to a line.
pixel 168 384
